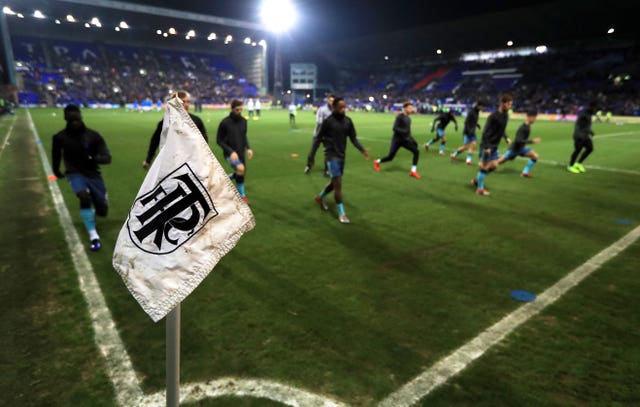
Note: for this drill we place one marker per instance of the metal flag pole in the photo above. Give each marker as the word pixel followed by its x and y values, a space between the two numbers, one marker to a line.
pixel 173 357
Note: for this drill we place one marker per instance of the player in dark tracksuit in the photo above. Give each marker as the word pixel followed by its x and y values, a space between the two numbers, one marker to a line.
pixel 519 145
pixel 494 130
pixel 83 150
pixel 232 138
pixel 333 134
pixel 402 138
pixel 582 135
pixel 155 138
pixel 443 120
pixel 469 133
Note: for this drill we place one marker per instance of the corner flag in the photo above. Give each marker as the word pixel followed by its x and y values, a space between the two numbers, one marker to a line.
pixel 186 216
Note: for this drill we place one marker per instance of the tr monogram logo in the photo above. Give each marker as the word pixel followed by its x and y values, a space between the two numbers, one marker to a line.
pixel 175 210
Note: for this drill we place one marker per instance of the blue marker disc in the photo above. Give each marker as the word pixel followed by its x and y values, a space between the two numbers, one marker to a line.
pixel 522 295
pixel 624 221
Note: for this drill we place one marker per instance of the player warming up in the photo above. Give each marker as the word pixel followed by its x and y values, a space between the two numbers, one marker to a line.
pixel 83 150
pixel 469 133
pixel 494 130
pixel 519 145
pixel 333 134
pixel 402 138
pixel 232 138
pixel 443 121
pixel 582 139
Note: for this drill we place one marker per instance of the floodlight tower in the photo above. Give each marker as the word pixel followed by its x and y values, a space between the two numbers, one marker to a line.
pixel 278 16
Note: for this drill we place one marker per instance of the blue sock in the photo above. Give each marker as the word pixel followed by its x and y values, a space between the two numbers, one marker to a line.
pixel 530 164
pixel 469 157
pixel 441 146
pixel 89 219
pixel 455 153
pixel 340 209
pixel 240 186
pixel 480 179
pixel 430 142
pixel 322 194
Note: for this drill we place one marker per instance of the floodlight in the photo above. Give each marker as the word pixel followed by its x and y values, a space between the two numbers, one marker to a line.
pixel 278 15
pixel 20 15
pixel 117 29
pixel 253 44
pixel 439 51
pixel 611 30
pixel 247 40
pixel 509 43
pixel 96 21
pixel 38 14
pixel 70 18
pixel 58 21
pixel 371 99
pixel 191 33
pixel 172 31
pixel 123 24
pixel 165 35
pixel 228 38
pixel 541 49
pixel 212 36
pixel 262 43
pixel 386 57
pixel 7 10
pixel 159 32
pixel 384 97
pixel 87 25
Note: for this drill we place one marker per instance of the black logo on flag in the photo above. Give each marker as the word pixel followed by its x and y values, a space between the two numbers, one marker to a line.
pixel 175 210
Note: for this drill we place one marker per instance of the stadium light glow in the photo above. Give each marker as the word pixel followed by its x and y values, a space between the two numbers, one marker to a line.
pixel 509 43
pixel 159 32
pixel 58 21
pixel 165 35
pixel 87 25
pixel 541 49
pixel 386 57
pixel 96 21
pixel 228 39
pixel 247 40
pixel 117 29
pixel 70 18
pixel 439 51
pixel 7 10
pixel 384 97
pixel 262 43
pixel 38 14
pixel 611 30
pixel 123 25
pixel 212 37
pixel 191 33
pixel 371 99
pixel 20 15
pixel 253 44
pixel 278 15
pixel 172 31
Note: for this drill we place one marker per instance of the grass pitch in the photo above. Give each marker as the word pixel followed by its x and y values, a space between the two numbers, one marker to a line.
pixel 351 311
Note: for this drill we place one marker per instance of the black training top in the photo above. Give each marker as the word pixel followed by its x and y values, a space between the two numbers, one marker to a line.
pixel 583 125
pixel 82 151
pixel 333 134
pixel 471 122
pixel 155 138
pixel 522 137
pixel 232 135
pixel 443 120
pixel 494 129
pixel 402 127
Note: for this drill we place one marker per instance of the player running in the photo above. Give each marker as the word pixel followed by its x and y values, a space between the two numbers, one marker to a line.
pixel 333 134
pixel 494 130
pixel 402 138
pixel 469 133
pixel 582 138
pixel 519 145
pixel 443 121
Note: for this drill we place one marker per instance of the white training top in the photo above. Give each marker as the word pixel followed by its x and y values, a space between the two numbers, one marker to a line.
pixel 323 113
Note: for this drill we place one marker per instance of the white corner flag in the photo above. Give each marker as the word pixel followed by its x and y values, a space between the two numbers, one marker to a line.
pixel 186 216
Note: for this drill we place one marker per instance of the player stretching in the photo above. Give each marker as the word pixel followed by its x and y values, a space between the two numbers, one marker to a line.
pixel 519 145
pixel 469 133
pixel 443 120
pixel 83 150
pixel 333 134
pixel 402 138
pixel 324 111
pixel 494 130
pixel 582 135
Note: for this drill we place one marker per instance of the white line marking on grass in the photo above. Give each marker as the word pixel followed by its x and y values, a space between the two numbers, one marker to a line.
pixel 192 393
pixel 6 138
pixel 593 167
pixel 119 366
pixel 457 361
pixel 609 135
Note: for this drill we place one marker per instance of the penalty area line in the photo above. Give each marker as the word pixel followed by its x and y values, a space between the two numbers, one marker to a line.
pixel 454 363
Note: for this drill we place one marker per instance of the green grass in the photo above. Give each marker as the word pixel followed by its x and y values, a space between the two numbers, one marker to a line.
pixel 355 311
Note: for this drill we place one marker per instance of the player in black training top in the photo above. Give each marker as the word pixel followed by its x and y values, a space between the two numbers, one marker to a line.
pixel 582 135
pixel 333 134
pixel 443 120
pixel 82 150
pixel 519 145
pixel 402 138
pixel 494 130
pixel 469 133
pixel 155 138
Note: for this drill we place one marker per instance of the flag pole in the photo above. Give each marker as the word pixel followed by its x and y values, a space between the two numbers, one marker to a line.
pixel 173 357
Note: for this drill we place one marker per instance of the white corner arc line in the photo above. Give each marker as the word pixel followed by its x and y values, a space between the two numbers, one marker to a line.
pixel 119 366
pixel 6 139
pixel 290 396
pixel 457 361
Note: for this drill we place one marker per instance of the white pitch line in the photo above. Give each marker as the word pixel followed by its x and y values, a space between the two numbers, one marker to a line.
pixel 119 366
pixel 6 139
pixel 626 133
pixel 593 167
pixel 290 396
pixel 457 361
